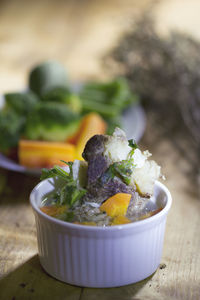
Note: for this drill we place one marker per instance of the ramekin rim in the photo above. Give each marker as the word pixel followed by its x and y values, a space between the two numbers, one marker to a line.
pixel 102 228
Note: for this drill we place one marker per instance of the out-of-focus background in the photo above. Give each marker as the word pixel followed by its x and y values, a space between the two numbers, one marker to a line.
pixel 77 33
pixel 98 40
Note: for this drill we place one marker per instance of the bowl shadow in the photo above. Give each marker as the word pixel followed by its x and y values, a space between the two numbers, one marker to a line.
pixel 30 281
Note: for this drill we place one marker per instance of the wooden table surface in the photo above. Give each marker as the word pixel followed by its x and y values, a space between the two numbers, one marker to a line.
pixel 78 33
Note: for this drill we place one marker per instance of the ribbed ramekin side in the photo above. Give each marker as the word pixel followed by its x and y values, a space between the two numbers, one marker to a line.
pixel 132 258
pixel 94 261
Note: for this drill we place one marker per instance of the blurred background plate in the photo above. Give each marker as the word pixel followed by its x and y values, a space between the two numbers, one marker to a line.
pixel 133 123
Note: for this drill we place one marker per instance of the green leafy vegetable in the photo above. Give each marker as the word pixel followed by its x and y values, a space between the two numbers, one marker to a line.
pixel 106 110
pixel 107 99
pixel 51 121
pixel 21 103
pixel 115 93
pixel 11 128
pixel 64 95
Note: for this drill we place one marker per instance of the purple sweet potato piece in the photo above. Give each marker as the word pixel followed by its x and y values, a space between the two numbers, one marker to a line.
pixel 96 167
pixel 93 154
pixel 94 147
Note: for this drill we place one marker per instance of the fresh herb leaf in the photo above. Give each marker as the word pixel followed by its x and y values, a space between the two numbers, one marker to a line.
pixel 60 172
pixel 122 169
pixel 132 144
pixel 68 163
pixel 76 195
pixel 70 193
pixel 46 173
pixel 56 171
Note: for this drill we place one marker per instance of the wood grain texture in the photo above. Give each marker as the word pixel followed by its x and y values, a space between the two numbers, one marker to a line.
pixel 77 33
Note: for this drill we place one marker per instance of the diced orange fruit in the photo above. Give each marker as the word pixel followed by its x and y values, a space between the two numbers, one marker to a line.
pixel 120 220
pixel 116 205
pixel 91 124
pixel 53 210
pixel 38 154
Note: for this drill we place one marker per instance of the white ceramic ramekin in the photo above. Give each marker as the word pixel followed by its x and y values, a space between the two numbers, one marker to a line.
pixel 93 256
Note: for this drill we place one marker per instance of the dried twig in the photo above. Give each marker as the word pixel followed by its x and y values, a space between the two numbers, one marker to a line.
pixel 165 72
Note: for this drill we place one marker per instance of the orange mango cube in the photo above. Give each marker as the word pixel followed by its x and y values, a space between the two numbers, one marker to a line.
pixel 116 205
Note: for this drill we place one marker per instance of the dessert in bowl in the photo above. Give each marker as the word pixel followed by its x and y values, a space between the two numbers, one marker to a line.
pixel 101 222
